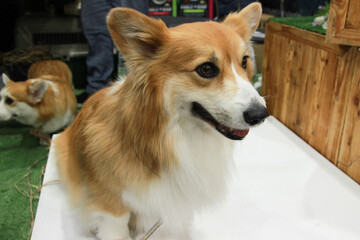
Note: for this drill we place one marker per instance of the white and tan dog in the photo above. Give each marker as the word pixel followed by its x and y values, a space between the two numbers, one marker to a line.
pixel 45 101
pixel 160 146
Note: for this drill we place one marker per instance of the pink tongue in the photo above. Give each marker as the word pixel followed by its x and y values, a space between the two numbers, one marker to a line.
pixel 241 133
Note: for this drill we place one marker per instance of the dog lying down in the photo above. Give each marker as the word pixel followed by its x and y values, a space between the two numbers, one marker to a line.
pixel 45 101
pixel 159 146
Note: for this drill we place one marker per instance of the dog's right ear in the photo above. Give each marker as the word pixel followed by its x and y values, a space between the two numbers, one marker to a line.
pixel 137 36
pixel 37 91
pixel 6 79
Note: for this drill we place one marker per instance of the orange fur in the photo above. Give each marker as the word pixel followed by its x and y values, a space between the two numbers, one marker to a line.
pixel 129 124
pixel 52 69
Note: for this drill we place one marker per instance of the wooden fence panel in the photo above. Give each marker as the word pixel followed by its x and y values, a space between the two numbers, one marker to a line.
pixel 310 86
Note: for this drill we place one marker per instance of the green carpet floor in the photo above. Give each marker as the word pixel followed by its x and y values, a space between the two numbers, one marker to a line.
pixel 19 150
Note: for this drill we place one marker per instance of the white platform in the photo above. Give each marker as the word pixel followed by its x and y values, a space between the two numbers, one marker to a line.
pixel 283 189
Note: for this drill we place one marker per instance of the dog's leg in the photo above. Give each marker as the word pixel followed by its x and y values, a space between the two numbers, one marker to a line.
pixel 109 227
pixel 45 139
pixel 106 215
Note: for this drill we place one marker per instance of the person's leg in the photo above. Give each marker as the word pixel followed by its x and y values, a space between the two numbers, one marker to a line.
pixel 139 5
pixel 100 59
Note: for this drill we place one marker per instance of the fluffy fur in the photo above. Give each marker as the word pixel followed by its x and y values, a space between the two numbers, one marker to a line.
pixel 45 101
pixel 142 152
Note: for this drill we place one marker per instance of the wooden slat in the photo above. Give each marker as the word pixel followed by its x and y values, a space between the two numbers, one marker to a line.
pixel 311 38
pixel 344 22
pixel 353 16
pixel 337 17
pixel 349 158
pixel 340 96
pixel 310 104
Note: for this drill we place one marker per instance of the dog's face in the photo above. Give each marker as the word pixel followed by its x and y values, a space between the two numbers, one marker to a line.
pixel 214 81
pixel 18 100
pixel 205 68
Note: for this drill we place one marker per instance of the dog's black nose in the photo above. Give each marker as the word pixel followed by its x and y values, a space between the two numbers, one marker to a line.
pixel 255 114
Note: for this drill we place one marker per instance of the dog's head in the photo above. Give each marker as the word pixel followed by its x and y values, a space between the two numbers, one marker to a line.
pixel 18 100
pixel 203 69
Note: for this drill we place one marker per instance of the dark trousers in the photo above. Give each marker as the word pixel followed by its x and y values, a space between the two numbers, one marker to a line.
pixel 100 59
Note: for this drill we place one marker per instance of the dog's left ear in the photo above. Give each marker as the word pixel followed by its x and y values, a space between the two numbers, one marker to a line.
pixel 137 36
pixel 37 91
pixel 246 21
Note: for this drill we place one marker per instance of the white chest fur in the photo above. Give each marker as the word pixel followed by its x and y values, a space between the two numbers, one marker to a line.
pixel 58 122
pixel 205 158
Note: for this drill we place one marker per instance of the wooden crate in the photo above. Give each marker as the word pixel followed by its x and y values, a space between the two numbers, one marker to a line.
pixel 313 87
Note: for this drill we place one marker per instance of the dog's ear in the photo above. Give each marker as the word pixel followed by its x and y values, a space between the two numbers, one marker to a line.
pixel 37 91
pixel 135 34
pixel 246 21
pixel 6 79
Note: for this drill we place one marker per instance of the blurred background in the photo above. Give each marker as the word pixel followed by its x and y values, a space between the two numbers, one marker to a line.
pixel 38 29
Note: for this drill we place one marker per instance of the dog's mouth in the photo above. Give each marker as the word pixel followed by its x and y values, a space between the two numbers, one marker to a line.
pixel 202 113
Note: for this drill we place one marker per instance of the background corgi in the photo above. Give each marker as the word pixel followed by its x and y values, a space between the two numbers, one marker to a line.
pixel 159 146
pixel 45 101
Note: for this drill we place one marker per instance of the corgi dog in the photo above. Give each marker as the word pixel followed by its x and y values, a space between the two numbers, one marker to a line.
pixel 159 146
pixel 45 101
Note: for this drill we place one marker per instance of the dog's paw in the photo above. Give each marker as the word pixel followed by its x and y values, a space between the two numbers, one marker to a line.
pixel 45 139
pixel 105 226
pixel 127 238
pixel 45 142
pixel 113 238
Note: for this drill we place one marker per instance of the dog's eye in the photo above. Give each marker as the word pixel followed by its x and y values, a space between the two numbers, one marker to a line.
pixel 244 62
pixel 207 70
pixel 9 101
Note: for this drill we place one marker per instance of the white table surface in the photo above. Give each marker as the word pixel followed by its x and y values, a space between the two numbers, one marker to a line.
pixel 282 189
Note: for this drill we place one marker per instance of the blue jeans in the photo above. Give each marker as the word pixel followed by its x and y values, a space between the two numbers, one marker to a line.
pixel 100 59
